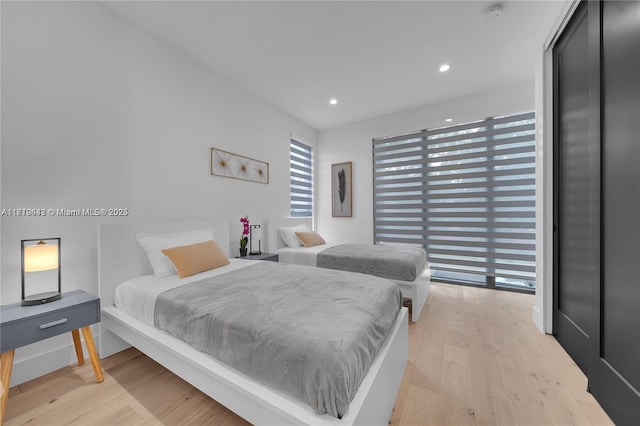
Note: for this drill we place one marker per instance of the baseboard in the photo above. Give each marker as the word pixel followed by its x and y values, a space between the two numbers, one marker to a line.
pixel 538 320
pixel 33 366
pixel 109 343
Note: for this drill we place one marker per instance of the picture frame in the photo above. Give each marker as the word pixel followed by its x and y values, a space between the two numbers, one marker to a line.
pixel 228 164
pixel 341 190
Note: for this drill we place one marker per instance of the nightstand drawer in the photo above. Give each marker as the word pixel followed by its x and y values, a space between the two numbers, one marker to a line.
pixel 39 327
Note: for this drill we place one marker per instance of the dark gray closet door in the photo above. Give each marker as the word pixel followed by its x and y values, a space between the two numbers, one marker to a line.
pixel 614 370
pixel 575 220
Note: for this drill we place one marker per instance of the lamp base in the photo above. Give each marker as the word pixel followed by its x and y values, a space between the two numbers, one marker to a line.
pixel 40 298
pixel 253 253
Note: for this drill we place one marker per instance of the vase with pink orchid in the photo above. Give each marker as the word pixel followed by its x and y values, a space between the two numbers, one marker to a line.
pixel 244 239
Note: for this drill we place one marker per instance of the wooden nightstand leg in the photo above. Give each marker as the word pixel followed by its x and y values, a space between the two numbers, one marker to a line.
pixel 6 364
pixel 78 345
pixel 95 361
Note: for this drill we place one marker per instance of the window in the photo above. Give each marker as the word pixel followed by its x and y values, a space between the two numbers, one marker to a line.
pixel 465 193
pixel 301 186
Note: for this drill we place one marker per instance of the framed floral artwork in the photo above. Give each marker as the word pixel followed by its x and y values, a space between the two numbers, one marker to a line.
pixel 341 190
pixel 228 164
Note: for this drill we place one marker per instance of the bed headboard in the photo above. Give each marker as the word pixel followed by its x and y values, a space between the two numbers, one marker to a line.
pixel 273 241
pixel 120 257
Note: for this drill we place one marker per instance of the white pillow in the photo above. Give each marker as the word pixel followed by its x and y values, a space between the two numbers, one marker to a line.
pixel 288 235
pixel 153 244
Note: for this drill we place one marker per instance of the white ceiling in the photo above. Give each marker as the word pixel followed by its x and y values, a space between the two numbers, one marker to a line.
pixel 374 57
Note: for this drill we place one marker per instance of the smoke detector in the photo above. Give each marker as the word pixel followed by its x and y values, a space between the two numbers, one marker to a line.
pixel 494 12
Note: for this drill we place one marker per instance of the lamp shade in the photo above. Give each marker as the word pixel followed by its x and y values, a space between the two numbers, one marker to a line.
pixel 256 233
pixel 40 257
pixel 255 239
pixel 40 271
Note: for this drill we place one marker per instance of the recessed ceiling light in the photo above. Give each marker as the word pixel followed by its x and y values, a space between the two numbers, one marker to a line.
pixel 444 67
pixel 494 12
pixel 333 101
pixel 448 120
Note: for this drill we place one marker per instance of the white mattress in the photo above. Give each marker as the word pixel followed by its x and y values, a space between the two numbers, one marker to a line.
pixel 305 256
pixel 137 296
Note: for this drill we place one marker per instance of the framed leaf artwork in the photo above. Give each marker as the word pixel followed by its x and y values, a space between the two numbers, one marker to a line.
pixel 341 190
pixel 236 166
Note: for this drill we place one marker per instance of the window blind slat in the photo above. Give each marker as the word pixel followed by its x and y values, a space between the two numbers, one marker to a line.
pixel 503 274
pixel 428 180
pixel 417 147
pixel 496 121
pixel 491 224
pixel 435 186
pixel 301 149
pixel 300 206
pixel 485 266
pixel 470 253
pixel 456 195
pixel 382 144
pixel 296 190
pixel 293 159
pixel 302 199
pixel 302 177
pixel 479 154
pixel 488 234
pixel 526 245
pixel 452 214
pixel 468 165
pixel 485 205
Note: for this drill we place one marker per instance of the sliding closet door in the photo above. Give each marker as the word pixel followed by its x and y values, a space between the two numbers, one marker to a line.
pixel 575 218
pixel 614 370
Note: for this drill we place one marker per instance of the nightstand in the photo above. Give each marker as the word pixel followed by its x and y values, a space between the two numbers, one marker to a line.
pixel 272 257
pixel 22 325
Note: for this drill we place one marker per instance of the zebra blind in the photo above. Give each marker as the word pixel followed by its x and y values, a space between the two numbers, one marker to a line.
pixel 301 183
pixel 466 193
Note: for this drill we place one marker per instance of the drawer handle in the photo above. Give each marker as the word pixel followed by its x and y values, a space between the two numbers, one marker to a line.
pixel 53 323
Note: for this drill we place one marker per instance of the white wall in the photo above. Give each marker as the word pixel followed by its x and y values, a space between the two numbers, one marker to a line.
pixel 352 142
pixel 97 113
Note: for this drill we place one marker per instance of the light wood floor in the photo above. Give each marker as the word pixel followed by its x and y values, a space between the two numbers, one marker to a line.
pixel 475 358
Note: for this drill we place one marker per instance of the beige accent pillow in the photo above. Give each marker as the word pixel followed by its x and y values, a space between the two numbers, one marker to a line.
pixel 288 234
pixel 195 258
pixel 153 244
pixel 310 239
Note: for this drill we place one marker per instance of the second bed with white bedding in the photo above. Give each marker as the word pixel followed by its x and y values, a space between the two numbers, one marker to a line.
pixel 414 282
pixel 401 263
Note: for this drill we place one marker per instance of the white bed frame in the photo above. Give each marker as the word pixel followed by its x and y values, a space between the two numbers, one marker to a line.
pixel 416 290
pixel 121 258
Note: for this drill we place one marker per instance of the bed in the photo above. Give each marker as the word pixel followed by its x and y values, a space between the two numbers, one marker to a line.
pixel 414 283
pixel 120 258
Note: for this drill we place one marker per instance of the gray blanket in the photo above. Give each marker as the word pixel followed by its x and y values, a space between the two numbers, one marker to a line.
pixel 309 332
pixel 386 261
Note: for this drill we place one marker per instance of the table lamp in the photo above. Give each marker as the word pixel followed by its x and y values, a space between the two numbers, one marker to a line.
pixel 255 233
pixel 40 270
